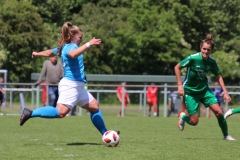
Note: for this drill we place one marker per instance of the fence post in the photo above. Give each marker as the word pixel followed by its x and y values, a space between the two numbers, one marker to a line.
pixel 22 101
pixel 33 97
pixel 11 99
pixel 98 97
pixel 140 100
pixel 207 112
pixel 144 101
pixel 37 97
pixel 165 100
pixel 79 110
pixel 226 106
pixel 123 92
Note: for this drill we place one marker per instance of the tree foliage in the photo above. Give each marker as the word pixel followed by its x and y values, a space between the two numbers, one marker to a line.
pixel 138 37
pixel 22 32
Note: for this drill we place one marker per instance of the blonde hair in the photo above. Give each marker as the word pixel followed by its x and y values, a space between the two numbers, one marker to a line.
pixel 68 30
pixel 208 40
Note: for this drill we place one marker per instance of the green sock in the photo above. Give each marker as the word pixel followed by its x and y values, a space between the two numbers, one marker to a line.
pixel 186 119
pixel 236 110
pixel 223 125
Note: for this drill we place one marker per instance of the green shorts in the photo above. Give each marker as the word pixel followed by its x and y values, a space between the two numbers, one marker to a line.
pixel 191 101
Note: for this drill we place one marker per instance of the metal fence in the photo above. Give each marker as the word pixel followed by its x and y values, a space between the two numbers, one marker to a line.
pixel 99 89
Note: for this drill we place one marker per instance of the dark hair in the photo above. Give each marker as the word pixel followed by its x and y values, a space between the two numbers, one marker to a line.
pixel 68 30
pixel 208 40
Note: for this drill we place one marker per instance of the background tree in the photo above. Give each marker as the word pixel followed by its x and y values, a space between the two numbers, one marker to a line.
pixel 104 23
pixel 22 32
pixel 135 41
pixel 138 37
pixel 198 18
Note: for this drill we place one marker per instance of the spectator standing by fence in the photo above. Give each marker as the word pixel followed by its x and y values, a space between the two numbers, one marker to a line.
pixel 152 98
pixel 172 97
pixel 52 70
pixel 121 89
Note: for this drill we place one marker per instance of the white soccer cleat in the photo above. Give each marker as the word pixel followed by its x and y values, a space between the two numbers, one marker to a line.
pixel 228 137
pixel 228 113
pixel 181 122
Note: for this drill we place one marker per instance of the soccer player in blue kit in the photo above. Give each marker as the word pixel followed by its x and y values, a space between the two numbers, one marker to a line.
pixel 71 87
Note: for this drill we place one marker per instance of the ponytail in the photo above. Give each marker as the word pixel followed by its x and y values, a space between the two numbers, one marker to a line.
pixel 68 30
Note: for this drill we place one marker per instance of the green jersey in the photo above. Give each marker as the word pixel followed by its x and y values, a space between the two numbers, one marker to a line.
pixel 197 69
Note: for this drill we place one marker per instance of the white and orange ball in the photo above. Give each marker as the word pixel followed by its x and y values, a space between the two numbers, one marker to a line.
pixel 110 138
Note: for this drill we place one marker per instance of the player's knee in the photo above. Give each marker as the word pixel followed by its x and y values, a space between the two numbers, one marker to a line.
pixel 194 121
pixel 62 113
pixel 62 110
pixel 92 106
pixel 219 113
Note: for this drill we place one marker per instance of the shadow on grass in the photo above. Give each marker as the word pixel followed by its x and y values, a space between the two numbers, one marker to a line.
pixel 82 143
pixel 198 138
pixel 195 138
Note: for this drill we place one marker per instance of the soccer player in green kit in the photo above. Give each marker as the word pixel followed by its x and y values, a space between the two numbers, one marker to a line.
pixel 195 87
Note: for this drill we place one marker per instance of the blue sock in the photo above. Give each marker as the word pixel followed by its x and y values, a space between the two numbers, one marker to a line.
pixel 45 112
pixel 98 122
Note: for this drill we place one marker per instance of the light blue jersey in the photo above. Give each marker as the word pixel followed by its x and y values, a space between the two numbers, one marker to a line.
pixel 73 68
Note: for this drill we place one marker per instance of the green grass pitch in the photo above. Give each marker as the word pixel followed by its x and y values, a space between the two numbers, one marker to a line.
pixel 142 138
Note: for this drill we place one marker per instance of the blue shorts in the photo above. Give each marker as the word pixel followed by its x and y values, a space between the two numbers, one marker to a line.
pixel 220 101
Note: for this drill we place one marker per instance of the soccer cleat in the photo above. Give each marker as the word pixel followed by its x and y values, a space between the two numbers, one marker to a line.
pixel 118 132
pixel 228 113
pixel 181 122
pixel 26 114
pixel 228 137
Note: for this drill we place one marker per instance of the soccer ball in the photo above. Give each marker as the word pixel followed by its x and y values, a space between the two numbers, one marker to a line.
pixel 110 138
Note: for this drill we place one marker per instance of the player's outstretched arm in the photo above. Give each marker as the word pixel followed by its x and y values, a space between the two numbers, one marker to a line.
pixel 77 52
pixel 47 53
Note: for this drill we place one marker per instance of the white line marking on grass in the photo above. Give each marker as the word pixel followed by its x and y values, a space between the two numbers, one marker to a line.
pixel 69 155
pixel 25 137
pixel 34 139
pixel 49 144
pixel 58 149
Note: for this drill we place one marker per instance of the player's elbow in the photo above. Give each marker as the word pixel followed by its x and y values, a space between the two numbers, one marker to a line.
pixel 49 53
pixel 177 67
pixel 72 55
